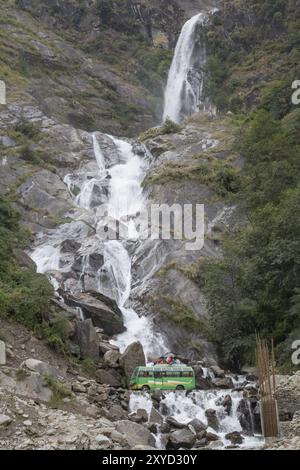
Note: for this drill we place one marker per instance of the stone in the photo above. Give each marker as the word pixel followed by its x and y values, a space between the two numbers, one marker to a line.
pixel 174 423
pixel 2 353
pixel 7 141
pixel 143 414
pixel 116 412
pixel 212 419
pixel 111 358
pixel 5 420
pixel 78 388
pixel 210 436
pixel 216 444
pixel 131 358
pixel 103 311
pixel 234 437
pixel 155 417
pixel 226 402
pixel 87 339
pixel 165 428
pixel 136 434
pixel 218 372
pixel 197 425
pixel 40 367
pixel 102 441
pixel 109 377
pixel 181 438
pixel 225 383
pixel 244 416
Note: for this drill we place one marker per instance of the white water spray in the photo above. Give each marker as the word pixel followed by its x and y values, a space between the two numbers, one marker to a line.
pixel 186 76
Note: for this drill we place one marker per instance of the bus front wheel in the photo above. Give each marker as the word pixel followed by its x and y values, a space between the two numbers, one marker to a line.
pixel 180 387
pixel 145 388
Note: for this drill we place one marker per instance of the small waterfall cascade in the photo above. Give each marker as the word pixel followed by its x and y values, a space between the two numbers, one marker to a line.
pixel 187 406
pixel 185 87
pixel 116 186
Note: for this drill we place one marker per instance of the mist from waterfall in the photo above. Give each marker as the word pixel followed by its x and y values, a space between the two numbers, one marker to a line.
pixel 185 86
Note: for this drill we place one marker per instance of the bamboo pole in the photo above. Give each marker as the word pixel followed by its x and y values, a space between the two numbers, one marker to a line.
pixel 267 386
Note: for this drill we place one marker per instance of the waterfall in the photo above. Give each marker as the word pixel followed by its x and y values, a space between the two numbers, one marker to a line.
pixel 186 76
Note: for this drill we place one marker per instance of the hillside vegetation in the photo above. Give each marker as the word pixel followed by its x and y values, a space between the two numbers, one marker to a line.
pixel 254 59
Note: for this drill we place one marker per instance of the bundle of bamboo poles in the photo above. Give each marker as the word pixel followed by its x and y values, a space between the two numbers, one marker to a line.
pixel 267 385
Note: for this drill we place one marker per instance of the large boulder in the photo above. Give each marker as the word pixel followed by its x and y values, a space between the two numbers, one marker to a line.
pixel 109 377
pixel 87 339
pixel 103 311
pixel 212 419
pixel 40 367
pixel 132 357
pixel 181 438
pixel 225 383
pixel 135 433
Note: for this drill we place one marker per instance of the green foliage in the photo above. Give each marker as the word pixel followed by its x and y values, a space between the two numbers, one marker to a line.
pixel 27 128
pixel 59 390
pixel 169 127
pixel 24 294
pixel 253 287
pixel 28 154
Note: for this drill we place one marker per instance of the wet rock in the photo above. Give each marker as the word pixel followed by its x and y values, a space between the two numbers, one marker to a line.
pixel 218 372
pixel 132 357
pixel 165 428
pixel 87 339
pixel 143 415
pixel 212 419
pixel 201 443
pixel 245 416
pixel 197 425
pixel 216 444
pixel 69 246
pixel 103 311
pixel 225 383
pixel 155 417
pixel 181 438
pixel 174 423
pixel 141 447
pixel 135 434
pixel 234 437
pixel 226 402
pixel 210 436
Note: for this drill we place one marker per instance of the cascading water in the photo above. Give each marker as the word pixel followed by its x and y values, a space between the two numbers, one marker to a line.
pixel 118 184
pixel 185 84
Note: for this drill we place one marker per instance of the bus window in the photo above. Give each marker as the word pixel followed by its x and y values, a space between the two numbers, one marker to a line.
pixel 157 374
pixel 187 374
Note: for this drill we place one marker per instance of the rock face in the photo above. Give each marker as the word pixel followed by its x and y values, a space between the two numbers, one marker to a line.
pixel 87 339
pixel 103 311
pixel 132 357
pixel 135 433
pixel 288 395
pixel 181 438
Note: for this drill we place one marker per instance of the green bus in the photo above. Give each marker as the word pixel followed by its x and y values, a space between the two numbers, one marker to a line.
pixel 163 377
